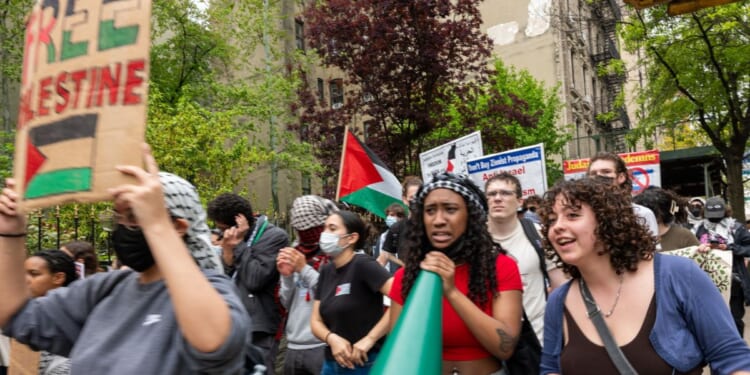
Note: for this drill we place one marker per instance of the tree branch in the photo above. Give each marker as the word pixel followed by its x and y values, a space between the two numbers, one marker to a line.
pixel 671 70
pixel 720 72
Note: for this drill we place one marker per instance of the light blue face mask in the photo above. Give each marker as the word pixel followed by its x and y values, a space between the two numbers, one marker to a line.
pixel 390 220
pixel 329 243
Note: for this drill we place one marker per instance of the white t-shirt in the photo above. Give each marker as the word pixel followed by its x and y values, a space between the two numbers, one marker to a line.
pixel 648 218
pixel 522 251
pixel 4 351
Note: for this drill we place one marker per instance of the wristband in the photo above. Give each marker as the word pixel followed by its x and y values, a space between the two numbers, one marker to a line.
pixel 327 334
pixel 13 235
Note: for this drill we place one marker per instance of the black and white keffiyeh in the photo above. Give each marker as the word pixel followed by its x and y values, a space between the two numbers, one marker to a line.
pixel 309 211
pixel 181 199
pixel 459 184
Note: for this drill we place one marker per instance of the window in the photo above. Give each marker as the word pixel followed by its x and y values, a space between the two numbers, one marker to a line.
pixel 369 124
pixel 321 90
pixel 585 75
pixel 572 68
pixel 337 93
pixel 299 34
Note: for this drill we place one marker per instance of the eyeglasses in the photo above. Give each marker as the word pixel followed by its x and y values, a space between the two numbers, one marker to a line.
pixel 502 192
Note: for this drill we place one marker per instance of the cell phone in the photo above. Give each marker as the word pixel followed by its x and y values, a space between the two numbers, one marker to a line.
pixel 714 242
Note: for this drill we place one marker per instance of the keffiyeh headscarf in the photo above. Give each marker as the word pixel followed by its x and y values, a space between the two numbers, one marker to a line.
pixel 309 211
pixel 459 184
pixel 182 201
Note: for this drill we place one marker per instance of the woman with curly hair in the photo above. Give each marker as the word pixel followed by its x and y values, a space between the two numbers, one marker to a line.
pixel 663 311
pixel 447 234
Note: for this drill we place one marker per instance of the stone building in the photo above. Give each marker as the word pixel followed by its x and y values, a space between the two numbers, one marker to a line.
pixel 573 43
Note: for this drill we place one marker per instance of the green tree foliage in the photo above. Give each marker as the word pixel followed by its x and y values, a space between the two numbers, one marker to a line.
pixel 511 110
pixel 396 58
pixel 210 109
pixel 12 22
pixel 698 71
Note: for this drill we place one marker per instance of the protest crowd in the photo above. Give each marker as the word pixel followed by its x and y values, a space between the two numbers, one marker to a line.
pixel 582 279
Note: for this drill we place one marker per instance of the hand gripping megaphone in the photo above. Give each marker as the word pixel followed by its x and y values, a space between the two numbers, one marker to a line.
pixel 415 345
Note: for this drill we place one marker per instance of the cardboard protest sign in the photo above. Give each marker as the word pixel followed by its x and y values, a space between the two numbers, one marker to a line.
pixel 451 157
pixel 644 168
pixel 23 360
pixel 83 98
pixel 526 163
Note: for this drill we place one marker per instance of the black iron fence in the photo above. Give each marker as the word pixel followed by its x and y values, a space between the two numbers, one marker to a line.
pixel 53 227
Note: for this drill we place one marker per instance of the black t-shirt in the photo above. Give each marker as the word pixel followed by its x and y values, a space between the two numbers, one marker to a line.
pixel 350 299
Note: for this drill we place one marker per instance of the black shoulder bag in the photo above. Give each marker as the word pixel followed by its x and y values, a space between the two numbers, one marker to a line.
pixel 527 357
pixel 615 354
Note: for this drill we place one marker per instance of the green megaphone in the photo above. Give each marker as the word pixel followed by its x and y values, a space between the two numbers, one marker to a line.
pixel 415 346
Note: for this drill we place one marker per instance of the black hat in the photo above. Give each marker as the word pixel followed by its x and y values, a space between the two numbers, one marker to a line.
pixel 715 208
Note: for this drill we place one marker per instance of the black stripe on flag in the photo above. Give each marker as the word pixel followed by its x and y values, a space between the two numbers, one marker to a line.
pixel 374 158
pixel 73 127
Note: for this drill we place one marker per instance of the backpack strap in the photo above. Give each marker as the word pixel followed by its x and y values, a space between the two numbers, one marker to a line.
pixel 533 235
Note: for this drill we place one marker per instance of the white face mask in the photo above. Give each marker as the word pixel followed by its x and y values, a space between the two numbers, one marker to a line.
pixel 390 220
pixel 329 243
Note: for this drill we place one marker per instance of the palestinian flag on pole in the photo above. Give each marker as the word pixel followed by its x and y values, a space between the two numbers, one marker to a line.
pixel 364 180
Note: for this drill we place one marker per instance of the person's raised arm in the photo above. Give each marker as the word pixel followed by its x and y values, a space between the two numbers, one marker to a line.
pixel 13 290
pixel 202 314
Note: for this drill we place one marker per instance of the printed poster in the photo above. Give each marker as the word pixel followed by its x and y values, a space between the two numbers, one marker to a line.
pixel 84 91
pixel 451 157
pixel 644 168
pixel 526 163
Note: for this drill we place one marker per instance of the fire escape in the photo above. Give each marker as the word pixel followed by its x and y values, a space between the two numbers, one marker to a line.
pixel 613 123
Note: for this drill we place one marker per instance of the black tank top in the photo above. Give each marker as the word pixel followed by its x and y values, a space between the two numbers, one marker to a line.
pixel 581 356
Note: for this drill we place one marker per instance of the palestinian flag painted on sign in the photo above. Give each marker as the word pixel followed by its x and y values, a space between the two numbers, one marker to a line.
pixel 59 157
pixel 364 179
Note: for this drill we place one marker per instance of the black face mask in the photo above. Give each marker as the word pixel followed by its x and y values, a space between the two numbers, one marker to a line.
pixel 453 250
pixel 715 219
pixel 132 249
pixel 695 211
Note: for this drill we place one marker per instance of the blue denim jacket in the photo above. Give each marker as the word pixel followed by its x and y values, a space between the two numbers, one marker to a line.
pixel 693 323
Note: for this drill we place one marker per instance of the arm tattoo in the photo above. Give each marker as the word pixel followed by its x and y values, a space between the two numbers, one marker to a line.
pixel 507 342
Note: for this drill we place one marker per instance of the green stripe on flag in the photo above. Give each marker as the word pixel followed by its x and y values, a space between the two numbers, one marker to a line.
pixel 59 182
pixel 371 200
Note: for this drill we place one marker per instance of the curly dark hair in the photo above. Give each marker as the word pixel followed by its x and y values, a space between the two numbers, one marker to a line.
pixel 226 206
pixel 58 261
pixel 620 231
pixel 477 249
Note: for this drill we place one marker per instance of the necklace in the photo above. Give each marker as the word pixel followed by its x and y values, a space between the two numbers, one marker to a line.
pixel 591 300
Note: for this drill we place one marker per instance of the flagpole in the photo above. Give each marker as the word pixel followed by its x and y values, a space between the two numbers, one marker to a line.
pixel 341 165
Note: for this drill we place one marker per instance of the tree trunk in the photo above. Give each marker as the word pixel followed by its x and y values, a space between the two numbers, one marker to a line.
pixel 736 191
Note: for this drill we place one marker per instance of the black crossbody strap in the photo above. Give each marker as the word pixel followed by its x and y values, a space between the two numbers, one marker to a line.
pixel 615 354
pixel 536 241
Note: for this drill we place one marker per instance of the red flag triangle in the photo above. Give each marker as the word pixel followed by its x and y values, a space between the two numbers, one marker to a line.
pixel 358 170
